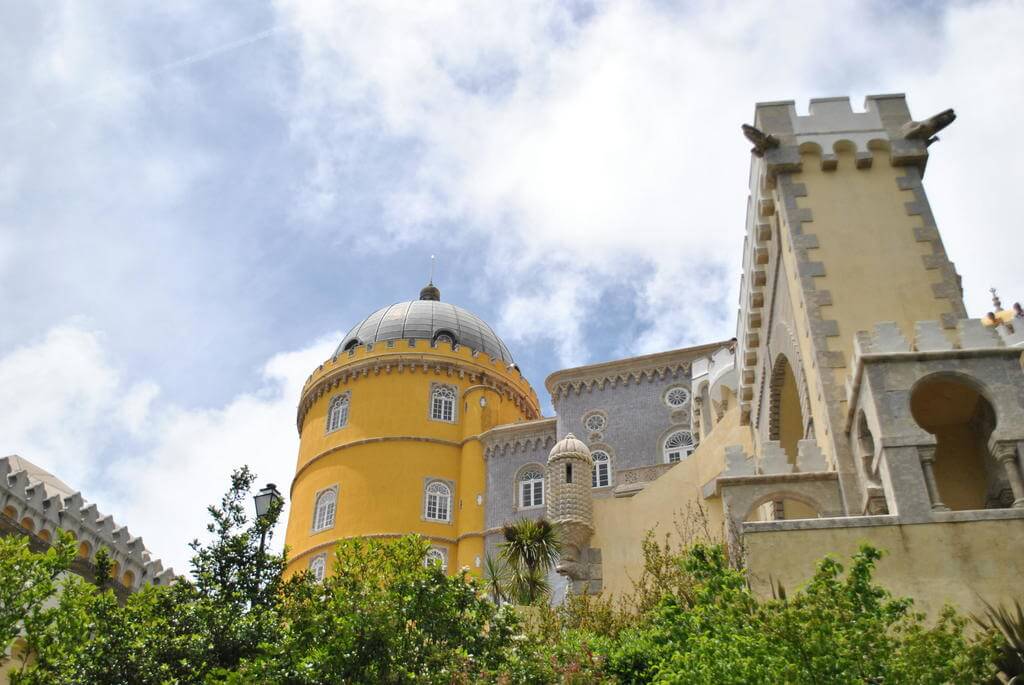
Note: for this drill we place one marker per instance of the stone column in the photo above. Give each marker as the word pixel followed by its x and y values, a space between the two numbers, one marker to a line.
pixel 927 455
pixel 1005 453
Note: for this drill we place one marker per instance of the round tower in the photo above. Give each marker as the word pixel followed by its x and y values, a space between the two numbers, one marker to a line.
pixel 389 432
pixel 568 483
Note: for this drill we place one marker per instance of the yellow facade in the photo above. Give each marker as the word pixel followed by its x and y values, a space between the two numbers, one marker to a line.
pixel 390 448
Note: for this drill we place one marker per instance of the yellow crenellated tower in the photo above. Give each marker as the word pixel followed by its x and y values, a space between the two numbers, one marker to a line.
pixel 389 434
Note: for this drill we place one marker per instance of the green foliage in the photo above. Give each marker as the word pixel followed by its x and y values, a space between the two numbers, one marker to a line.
pixel 837 629
pixel 103 568
pixel 381 616
pixel 530 551
pixel 186 632
pixel 28 579
pixel 1009 623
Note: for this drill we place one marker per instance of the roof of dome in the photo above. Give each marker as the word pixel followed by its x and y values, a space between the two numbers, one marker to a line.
pixel 570 444
pixel 426 319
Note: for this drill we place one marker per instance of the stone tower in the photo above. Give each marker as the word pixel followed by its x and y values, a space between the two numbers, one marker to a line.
pixel 853 339
pixel 569 503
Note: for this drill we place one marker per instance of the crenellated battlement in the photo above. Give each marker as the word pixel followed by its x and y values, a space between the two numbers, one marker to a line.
pixel 43 509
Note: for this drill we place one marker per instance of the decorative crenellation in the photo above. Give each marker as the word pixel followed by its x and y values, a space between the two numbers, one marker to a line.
pixel 527 436
pixel 774 461
pixel 613 379
pixel 930 337
pixel 330 376
pixel 25 500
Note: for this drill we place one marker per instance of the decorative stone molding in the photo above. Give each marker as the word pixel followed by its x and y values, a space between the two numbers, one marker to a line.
pixel 527 436
pixel 359 362
pixel 597 377
pixel 569 501
pixel 49 509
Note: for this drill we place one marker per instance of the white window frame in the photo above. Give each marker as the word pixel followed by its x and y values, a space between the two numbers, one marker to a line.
pixel 689 396
pixel 318 567
pixel 443 401
pixel 438 555
pixel 325 501
pixel 437 501
pixel 679 449
pixel 337 412
pixel 530 487
pixel 595 473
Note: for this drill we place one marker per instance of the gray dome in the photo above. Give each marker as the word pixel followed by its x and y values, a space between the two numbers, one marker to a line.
pixel 427 319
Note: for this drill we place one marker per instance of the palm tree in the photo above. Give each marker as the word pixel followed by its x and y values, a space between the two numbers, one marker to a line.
pixel 530 550
pixel 497 578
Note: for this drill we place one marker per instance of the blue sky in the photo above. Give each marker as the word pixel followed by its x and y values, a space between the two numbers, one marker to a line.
pixel 197 201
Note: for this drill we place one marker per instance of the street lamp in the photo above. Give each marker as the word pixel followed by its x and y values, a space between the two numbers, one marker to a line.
pixel 264 500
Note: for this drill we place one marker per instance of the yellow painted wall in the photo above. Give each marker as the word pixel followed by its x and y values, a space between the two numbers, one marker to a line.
pixel 873 265
pixel 934 563
pixel 382 458
pixel 622 523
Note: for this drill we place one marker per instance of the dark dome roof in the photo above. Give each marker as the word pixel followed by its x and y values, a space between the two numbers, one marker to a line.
pixel 426 319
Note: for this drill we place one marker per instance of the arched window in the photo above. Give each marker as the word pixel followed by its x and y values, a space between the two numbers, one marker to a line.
pixel 678 446
pixel 786 420
pixel 436 555
pixel 318 566
pixel 442 403
pixel 601 475
pixel 438 504
pixel 323 510
pixel 337 412
pixel 531 488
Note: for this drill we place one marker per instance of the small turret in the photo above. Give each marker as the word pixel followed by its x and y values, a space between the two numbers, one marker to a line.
pixel 569 504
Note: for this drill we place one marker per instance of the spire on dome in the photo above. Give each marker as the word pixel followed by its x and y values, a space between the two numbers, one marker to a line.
pixel 431 291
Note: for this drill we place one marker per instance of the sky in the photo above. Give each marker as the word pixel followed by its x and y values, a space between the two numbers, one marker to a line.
pixel 197 200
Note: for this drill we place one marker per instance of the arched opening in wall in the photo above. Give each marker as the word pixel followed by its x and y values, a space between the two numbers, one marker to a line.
pixel 787 420
pixel 783 507
pixel 865 449
pixel 128 579
pixel 962 421
pixel 10 512
pixel 84 550
pixel 705 410
pixel 44 535
pixel 28 524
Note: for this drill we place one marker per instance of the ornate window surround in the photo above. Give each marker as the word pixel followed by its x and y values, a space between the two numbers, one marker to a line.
pixel 327 499
pixel 318 566
pixel 437 555
pixel 341 401
pixel 531 469
pixel 677 391
pixel 606 462
pixel 595 421
pixel 443 397
pixel 680 446
pixel 442 506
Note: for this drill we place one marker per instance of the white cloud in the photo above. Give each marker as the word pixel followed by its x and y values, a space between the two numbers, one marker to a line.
pixel 612 143
pixel 152 465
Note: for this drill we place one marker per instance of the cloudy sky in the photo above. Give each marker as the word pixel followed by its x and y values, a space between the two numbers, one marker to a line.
pixel 198 199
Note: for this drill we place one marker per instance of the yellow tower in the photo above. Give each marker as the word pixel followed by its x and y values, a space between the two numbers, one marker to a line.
pixel 389 433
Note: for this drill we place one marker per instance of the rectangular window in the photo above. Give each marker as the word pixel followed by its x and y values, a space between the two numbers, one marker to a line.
pixel 568 473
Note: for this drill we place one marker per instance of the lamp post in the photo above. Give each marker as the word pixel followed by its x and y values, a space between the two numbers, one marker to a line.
pixel 264 500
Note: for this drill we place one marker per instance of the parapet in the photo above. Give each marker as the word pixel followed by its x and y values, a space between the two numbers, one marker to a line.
pixel 832 125
pixel 44 509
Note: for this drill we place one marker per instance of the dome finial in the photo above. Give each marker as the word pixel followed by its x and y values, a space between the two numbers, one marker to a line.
pixel 431 291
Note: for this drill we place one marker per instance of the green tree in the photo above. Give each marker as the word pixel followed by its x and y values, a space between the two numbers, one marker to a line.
pixel 382 616
pixel 28 579
pixel 191 631
pixel 530 551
